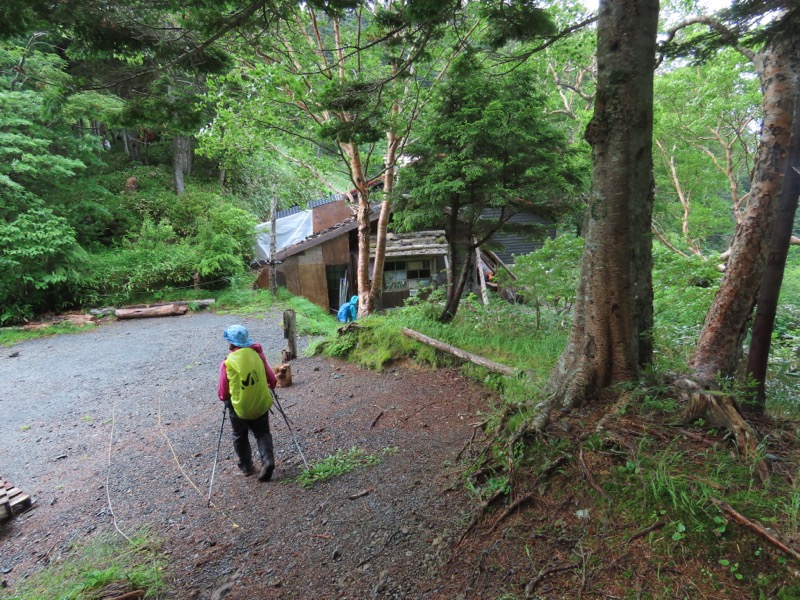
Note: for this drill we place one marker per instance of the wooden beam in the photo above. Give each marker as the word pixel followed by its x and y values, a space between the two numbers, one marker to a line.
pixel 463 354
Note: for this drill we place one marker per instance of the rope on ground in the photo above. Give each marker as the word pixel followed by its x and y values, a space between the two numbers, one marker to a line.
pixel 108 472
pixel 175 455
pixel 169 443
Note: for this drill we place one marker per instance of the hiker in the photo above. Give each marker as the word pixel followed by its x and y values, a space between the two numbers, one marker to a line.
pixel 245 381
pixel 348 311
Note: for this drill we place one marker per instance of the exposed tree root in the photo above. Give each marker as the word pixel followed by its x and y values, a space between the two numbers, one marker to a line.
pixel 533 583
pixel 721 411
pixel 646 530
pixel 481 510
pixel 571 393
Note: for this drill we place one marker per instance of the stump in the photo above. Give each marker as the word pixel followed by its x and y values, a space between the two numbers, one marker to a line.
pixel 284 374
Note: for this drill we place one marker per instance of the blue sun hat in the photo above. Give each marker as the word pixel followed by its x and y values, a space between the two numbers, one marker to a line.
pixel 238 336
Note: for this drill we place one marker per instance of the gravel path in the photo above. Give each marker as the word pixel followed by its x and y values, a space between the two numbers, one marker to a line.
pixel 120 424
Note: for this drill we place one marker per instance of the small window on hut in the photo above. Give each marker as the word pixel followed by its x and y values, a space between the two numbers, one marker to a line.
pixel 402 275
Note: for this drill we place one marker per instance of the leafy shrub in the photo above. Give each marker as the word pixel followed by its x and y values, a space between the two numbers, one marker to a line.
pixel 40 263
pixel 683 289
pixel 548 277
pixel 155 258
pixel 224 241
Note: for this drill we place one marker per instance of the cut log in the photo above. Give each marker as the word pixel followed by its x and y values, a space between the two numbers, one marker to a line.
pixel 283 373
pixel 167 310
pixel 463 354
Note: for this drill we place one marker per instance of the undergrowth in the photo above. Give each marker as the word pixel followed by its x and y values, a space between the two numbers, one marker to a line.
pixel 377 341
pixel 105 562
pixel 642 503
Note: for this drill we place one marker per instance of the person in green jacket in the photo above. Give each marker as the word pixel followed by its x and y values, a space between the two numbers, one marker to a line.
pixel 245 381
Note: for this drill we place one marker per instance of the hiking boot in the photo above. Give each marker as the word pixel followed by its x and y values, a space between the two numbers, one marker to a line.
pixel 267 458
pixel 265 474
pixel 247 469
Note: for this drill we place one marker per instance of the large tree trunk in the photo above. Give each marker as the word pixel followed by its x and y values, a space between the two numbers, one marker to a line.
pixel 181 160
pixel 767 304
pixel 720 344
pixel 613 312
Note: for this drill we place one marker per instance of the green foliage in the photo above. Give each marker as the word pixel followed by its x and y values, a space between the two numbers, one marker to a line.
pixel 40 262
pixel 706 138
pixel 378 342
pixel 87 568
pixel 548 277
pixel 683 290
pixel 338 464
pixel 312 319
pixel 153 259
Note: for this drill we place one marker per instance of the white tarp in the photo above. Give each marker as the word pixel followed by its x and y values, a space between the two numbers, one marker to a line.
pixel 291 229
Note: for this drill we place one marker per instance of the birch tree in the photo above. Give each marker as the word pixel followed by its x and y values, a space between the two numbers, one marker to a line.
pixel 348 85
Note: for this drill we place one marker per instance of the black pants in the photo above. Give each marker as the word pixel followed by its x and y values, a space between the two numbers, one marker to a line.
pixel 241 442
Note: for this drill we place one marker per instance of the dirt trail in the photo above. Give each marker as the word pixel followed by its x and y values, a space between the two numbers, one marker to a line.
pixel 121 423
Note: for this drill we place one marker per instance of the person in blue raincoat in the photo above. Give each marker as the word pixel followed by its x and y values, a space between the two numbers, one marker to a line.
pixel 348 311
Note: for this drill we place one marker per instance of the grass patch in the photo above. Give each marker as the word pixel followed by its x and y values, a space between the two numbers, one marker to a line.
pixel 483 330
pixel 102 563
pixel 338 464
pixel 12 335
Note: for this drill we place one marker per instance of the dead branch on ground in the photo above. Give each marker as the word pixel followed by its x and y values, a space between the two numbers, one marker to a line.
pixel 770 536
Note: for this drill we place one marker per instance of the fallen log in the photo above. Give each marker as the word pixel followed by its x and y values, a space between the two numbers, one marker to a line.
pixel 463 354
pixel 199 303
pixel 166 310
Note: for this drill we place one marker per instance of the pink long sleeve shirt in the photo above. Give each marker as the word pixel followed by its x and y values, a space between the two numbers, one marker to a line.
pixel 224 391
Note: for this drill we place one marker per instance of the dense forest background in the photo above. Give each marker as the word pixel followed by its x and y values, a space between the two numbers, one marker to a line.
pixel 141 143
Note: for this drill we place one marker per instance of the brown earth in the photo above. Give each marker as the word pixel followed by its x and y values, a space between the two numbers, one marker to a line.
pixel 118 427
pixel 121 424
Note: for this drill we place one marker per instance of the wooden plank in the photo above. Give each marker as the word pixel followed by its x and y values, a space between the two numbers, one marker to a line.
pixel 336 252
pixel 21 502
pixel 314 284
pixel 326 216
pixel 12 500
pixel 311 256
pixel 290 269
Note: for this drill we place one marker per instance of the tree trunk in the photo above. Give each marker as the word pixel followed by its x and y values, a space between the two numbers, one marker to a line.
pixel 362 272
pixel 386 210
pixel 181 159
pixel 767 304
pixel 613 312
pixel 720 344
pixel 455 292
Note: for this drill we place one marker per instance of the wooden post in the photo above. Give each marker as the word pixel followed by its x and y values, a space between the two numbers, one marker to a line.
pixel 290 333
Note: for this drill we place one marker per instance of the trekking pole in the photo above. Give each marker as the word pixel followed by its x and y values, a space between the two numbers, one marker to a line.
pixel 219 442
pixel 291 431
